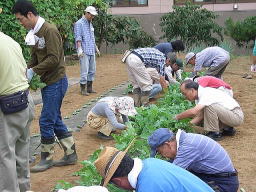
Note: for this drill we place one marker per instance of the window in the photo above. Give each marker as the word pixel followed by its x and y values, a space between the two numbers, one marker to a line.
pixel 180 2
pixel 129 3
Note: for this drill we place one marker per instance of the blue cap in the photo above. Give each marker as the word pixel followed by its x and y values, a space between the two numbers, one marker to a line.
pixel 157 138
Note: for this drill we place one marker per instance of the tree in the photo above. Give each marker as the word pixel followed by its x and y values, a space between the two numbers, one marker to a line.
pixel 192 24
pixel 241 31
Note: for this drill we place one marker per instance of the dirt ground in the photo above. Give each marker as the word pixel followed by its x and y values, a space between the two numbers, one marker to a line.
pixel 111 72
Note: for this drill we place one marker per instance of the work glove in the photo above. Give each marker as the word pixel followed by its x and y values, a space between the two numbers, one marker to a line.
pixel 80 52
pixel 30 74
pixel 97 51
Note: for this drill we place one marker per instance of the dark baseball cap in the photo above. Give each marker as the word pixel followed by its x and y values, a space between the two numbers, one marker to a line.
pixel 157 138
pixel 179 62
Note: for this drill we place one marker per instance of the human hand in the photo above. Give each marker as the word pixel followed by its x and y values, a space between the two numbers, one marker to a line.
pixel 175 118
pixel 80 52
pixel 30 74
pixel 97 51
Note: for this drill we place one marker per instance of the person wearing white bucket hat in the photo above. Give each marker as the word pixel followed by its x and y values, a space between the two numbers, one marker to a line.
pixel 215 58
pixel 86 48
pixel 106 115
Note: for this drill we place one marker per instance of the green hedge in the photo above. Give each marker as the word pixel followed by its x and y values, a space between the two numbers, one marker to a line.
pixel 64 13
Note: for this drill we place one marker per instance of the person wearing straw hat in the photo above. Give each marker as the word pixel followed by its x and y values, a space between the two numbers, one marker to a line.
pixel 149 175
pixel 215 58
pixel 198 154
pixel 106 115
pixel 86 48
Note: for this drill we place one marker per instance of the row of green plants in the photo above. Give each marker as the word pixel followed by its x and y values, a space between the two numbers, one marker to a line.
pixel 140 127
pixel 191 23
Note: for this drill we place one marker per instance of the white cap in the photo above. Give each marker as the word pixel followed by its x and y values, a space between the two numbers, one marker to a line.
pixel 91 9
pixel 189 56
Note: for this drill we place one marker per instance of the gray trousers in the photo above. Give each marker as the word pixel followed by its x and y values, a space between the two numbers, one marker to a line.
pixel 14 149
pixel 216 117
pixel 218 70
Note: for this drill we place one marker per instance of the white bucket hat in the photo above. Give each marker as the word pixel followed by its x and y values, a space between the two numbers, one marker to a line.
pixel 91 9
pixel 189 56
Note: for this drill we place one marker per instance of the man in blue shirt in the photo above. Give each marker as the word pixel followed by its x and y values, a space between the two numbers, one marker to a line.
pixel 174 46
pixel 85 44
pixel 149 175
pixel 199 154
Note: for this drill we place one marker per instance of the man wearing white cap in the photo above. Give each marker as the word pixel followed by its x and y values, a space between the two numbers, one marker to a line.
pixel 215 58
pixel 86 47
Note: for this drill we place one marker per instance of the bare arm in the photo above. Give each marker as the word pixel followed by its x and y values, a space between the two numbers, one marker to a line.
pixel 190 112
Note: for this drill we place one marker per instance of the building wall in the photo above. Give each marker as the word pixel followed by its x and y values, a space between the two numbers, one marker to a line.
pixel 149 18
pixel 154 6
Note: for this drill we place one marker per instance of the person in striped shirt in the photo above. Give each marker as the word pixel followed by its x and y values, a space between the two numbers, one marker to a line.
pixel 198 154
pixel 137 62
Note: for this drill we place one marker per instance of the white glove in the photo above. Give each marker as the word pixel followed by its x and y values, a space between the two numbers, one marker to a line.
pixel 80 52
pixel 98 51
pixel 30 74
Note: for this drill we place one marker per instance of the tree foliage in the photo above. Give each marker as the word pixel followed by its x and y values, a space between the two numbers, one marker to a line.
pixel 64 13
pixel 192 24
pixel 113 29
pixel 241 31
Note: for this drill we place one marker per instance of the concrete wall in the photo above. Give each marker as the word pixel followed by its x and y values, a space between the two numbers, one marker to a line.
pixel 150 23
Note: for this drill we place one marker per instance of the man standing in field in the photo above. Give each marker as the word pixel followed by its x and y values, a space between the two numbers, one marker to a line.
pixel 215 58
pixel 16 114
pixel 86 47
pixel 48 62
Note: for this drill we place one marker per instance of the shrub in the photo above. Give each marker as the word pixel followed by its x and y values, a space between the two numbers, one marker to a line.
pixel 241 31
pixel 192 24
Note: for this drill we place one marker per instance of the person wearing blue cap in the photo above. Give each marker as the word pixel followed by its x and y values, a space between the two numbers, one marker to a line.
pixel 198 154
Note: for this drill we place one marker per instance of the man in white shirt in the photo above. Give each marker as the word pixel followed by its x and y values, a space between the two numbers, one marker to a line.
pixel 217 109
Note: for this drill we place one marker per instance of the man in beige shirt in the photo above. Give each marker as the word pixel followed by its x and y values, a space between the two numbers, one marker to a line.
pixel 16 114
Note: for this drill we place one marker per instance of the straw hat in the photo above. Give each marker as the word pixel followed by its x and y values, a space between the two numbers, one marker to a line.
pixel 108 162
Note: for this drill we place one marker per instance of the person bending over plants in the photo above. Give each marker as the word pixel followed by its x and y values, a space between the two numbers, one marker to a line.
pixel 218 110
pixel 198 154
pixel 149 175
pixel 106 115
pixel 215 58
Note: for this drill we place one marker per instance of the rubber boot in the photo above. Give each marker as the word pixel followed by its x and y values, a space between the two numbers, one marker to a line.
pixel 83 89
pixel 89 87
pixel 70 156
pixel 136 97
pixel 144 98
pixel 46 161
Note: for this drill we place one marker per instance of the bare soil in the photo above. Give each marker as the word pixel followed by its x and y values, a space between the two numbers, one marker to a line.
pixel 111 72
